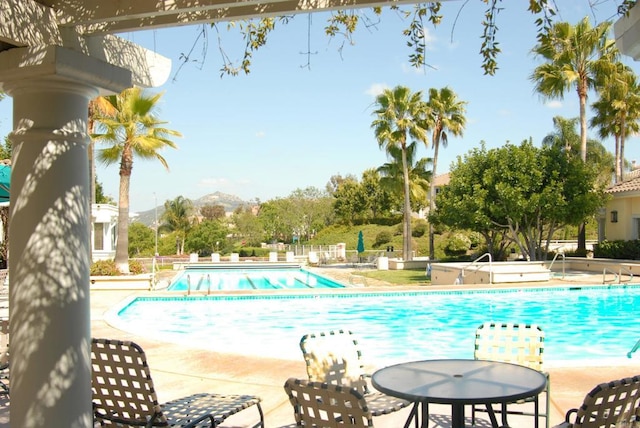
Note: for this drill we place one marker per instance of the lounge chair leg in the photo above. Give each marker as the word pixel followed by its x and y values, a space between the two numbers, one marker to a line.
pixel 261 423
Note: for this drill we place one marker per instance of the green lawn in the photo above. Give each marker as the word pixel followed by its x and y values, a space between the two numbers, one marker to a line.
pixel 399 277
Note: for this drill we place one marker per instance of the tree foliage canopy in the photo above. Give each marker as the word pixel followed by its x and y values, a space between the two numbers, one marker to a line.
pixel 522 192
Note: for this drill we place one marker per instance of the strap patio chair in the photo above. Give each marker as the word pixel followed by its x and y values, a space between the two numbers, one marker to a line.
pixel 519 344
pixel 608 405
pixel 4 357
pixel 334 357
pixel 124 394
pixel 319 404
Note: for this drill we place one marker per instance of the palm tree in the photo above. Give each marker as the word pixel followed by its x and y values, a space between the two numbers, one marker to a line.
pixel 565 135
pixel 401 116
pixel 419 175
pixel 97 106
pixel 575 57
pixel 446 114
pixel 176 218
pixel 618 111
pixel 567 139
pixel 131 129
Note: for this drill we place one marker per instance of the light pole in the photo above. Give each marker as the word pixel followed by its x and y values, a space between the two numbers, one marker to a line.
pixel 155 254
pixel 155 200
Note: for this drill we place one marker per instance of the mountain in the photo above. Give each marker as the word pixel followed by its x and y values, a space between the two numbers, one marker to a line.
pixel 229 202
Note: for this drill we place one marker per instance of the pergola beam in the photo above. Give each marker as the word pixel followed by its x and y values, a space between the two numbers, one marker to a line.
pixel 28 23
pixel 97 16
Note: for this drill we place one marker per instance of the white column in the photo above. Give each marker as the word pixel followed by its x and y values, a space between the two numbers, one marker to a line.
pixel 50 250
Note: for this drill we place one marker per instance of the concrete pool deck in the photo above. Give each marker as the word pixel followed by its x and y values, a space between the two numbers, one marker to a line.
pixel 178 370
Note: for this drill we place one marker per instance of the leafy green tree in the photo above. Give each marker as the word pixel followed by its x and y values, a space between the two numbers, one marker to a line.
pixel 6 149
pixel 335 181
pixel 212 212
pixel 311 210
pixel 131 129
pixel 248 226
pixel 379 200
pixel 400 119
pixel 617 111
pixel 574 57
pixel 101 198
pixel 349 201
pixel 446 117
pixel 177 218
pixel 141 240
pixel 207 237
pixel 522 192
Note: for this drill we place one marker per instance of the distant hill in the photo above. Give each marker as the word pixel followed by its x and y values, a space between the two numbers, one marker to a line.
pixel 229 202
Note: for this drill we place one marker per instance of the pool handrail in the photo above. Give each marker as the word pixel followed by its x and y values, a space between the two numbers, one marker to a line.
pixel 617 275
pixel 563 261
pixel 634 349
pixel 488 255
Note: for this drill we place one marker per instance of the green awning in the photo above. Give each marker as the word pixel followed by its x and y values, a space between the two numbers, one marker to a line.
pixel 5 180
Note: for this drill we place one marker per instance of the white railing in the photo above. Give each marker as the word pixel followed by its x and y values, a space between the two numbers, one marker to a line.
pixel 634 349
pixel 485 255
pixel 617 275
pixel 554 259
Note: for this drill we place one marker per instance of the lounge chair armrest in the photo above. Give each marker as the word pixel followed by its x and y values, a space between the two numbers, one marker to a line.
pixel 568 415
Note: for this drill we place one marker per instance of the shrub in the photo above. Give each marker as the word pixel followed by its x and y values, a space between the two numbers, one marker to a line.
pixel 136 267
pixel 457 244
pixel 108 268
pixel 104 268
pixel 629 250
pixel 419 229
pixel 254 252
pixel 382 238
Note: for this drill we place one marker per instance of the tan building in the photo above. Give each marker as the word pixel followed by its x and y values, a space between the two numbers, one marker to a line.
pixel 621 219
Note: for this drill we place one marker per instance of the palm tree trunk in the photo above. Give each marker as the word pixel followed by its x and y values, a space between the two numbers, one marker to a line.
pixel 406 232
pixel 432 196
pixel 122 245
pixel 623 124
pixel 582 93
pixel 618 167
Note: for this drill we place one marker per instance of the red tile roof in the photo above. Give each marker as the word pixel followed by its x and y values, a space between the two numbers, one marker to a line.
pixel 631 183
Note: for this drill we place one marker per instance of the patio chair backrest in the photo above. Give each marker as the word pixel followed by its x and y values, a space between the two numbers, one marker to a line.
pixel 510 342
pixel 319 404
pixel 121 383
pixel 334 357
pixel 608 405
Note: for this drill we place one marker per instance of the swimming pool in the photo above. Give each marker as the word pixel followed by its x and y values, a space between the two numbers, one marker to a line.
pixel 581 323
pixel 249 278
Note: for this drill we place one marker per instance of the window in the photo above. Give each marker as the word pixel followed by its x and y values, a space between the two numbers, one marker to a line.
pixel 614 216
pixel 98 236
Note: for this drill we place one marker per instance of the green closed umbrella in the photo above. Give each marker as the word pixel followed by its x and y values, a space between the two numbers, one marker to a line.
pixel 360 243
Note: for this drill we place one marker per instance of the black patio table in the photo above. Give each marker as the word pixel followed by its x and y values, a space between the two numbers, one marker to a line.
pixel 458 382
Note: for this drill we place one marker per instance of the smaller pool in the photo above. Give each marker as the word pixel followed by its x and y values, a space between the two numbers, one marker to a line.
pixel 231 279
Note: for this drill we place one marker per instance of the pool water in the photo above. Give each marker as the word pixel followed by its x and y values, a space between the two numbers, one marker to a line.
pixel 581 324
pixel 220 279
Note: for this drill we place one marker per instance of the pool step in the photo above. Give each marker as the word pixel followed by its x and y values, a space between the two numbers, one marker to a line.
pixel 489 273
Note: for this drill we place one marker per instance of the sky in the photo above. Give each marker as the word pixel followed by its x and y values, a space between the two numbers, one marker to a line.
pixel 298 119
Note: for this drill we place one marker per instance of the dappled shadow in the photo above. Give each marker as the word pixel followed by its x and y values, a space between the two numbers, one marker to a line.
pixel 49 268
